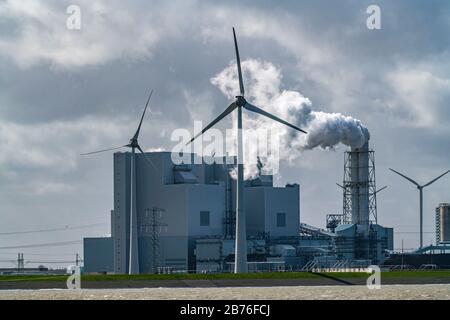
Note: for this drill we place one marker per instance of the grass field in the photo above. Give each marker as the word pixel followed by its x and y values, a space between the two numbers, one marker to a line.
pixel 230 276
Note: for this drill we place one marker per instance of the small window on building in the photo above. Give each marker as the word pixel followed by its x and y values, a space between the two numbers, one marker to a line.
pixel 281 219
pixel 204 218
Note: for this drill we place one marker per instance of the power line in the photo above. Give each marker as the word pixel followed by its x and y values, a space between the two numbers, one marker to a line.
pixel 51 244
pixel 38 261
pixel 53 229
pixel 56 261
pixel 414 232
pixel 9 253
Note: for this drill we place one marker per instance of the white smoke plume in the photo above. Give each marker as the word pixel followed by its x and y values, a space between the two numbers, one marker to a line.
pixel 263 88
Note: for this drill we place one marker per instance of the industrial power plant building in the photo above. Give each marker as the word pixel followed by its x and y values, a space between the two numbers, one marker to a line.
pixel 443 223
pixel 186 221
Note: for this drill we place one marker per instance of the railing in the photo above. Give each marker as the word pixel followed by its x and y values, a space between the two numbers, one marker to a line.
pixel 309 265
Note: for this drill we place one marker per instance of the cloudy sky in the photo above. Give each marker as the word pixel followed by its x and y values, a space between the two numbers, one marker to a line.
pixel 63 92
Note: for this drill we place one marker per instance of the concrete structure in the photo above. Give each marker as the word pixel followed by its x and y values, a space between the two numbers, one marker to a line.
pixel 359 237
pixel 359 198
pixel 272 211
pixel 359 177
pixel 186 221
pixel 351 244
pixel 443 223
pixel 98 255
pixel 197 201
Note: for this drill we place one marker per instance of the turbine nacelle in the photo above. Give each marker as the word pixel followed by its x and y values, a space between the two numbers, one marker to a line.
pixel 240 101
pixel 133 143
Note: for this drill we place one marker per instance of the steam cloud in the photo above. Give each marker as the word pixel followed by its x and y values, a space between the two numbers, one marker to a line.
pixel 263 88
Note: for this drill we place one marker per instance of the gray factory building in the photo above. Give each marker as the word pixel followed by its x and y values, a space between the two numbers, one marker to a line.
pixel 98 254
pixel 180 204
pixel 186 221
pixel 443 223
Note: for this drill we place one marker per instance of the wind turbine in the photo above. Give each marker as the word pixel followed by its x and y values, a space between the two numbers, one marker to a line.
pixel 240 265
pixel 376 192
pixel 420 187
pixel 133 261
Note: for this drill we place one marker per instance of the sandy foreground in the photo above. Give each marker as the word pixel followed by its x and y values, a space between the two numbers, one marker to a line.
pixel 403 292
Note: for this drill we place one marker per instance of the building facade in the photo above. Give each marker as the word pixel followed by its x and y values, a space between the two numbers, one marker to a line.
pixel 443 223
pixel 180 204
pixel 186 222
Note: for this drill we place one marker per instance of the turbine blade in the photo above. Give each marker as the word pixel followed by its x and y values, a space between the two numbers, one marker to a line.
pixel 147 158
pixel 380 189
pixel 220 117
pixel 238 61
pixel 136 135
pixel 434 180
pixel 253 108
pixel 407 178
pixel 100 151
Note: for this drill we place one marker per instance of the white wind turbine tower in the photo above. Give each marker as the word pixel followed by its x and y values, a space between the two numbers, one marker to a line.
pixel 420 187
pixel 133 266
pixel 240 265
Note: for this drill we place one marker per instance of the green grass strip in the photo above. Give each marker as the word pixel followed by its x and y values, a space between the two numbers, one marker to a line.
pixel 231 276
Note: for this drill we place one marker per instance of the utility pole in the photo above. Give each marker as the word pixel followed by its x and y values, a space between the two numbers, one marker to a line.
pixel 20 262
pixel 402 254
pixel 77 259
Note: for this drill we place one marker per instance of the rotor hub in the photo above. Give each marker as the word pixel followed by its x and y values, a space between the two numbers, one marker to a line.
pixel 133 143
pixel 240 101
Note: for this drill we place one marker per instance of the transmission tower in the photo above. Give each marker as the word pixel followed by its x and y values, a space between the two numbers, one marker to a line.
pixel 153 230
pixel 78 259
pixel 20 262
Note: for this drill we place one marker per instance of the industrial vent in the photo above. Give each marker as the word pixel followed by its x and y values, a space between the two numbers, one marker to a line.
pixel 183 175
pixel 262 181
